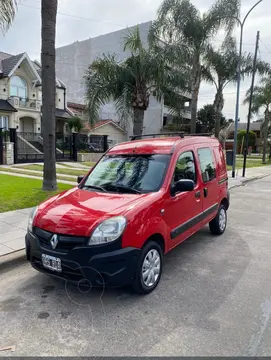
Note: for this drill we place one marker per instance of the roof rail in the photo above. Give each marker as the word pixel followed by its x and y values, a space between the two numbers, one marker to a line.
pixel 180 134
pixel 134 137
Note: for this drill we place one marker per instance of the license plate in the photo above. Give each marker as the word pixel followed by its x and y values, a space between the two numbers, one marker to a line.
pixel 51 263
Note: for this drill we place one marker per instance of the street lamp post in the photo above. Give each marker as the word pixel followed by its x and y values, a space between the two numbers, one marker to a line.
pixel 242 23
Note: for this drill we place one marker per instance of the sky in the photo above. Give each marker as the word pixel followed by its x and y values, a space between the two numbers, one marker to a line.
pixel 82 19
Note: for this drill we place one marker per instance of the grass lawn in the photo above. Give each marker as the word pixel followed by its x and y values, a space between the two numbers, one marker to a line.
pixel 59 177
pixel 72 172
pixel 251 163
pixel 85 163
pixel 20 193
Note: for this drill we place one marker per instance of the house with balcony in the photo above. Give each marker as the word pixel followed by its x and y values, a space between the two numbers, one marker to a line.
pixel 21 101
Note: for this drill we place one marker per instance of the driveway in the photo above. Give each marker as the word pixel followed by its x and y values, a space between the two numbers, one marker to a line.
pixel 214 299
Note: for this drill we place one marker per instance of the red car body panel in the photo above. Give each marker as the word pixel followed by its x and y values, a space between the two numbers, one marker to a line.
pixel 78 212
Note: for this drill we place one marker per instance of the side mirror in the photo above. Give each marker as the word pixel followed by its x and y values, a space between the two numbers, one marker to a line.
pixel 183 185
pixel 80 178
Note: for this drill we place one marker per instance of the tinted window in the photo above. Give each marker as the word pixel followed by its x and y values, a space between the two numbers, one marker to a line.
pixel 141 172
pixel 206 164
pixel 185 167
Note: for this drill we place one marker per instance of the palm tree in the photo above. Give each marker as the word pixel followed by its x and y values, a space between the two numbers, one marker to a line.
pixel 75 123
pixel 7 12
pixel 179 22
pixel 261 99
pixel 48 75
pixel 220 70
pixel 131 82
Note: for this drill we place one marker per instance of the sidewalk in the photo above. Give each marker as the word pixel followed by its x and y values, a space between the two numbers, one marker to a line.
pixel 13 225
pixel 12 236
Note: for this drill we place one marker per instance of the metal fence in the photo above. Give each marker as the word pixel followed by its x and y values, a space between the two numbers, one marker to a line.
pixel 92 143
pixel 28 147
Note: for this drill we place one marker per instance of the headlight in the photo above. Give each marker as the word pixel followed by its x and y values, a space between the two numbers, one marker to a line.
pixel 108 231
pixel 31 219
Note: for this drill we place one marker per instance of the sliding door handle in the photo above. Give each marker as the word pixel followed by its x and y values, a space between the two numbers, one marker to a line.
pixel 205 191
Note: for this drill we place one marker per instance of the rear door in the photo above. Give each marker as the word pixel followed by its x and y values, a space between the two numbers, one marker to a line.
pixel 209 180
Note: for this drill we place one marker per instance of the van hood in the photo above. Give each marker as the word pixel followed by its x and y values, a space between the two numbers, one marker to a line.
pixel 78 212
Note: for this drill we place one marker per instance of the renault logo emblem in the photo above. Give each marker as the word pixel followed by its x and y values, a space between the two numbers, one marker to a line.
pixel 54 241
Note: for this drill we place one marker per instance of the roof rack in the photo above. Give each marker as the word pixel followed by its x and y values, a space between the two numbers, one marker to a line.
pixel 180 134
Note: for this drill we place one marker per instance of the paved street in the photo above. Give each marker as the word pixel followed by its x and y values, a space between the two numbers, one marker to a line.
pixel 214 299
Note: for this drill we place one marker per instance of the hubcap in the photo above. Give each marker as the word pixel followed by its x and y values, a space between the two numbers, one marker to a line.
pixel 151 268
pixel 222 219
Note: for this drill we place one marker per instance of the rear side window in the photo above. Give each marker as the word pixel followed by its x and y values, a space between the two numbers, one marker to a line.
pixel 220 160
pixel 207 165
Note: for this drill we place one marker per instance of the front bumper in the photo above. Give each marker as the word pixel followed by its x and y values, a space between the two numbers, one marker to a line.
pixel 96 264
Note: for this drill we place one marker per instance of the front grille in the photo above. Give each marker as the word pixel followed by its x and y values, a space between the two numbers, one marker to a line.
pixel 65 242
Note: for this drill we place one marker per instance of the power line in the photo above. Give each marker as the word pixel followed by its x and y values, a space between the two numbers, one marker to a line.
pixel 269 52
pixel 79 17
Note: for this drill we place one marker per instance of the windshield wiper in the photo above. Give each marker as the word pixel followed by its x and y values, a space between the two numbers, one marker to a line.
pixel 121 187
pixel 94 187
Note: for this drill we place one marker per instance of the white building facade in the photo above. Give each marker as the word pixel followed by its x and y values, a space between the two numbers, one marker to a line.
pixel 73 60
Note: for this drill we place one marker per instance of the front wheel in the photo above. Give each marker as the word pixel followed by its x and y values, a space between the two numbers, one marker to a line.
pixel 219 223
pixel 149 269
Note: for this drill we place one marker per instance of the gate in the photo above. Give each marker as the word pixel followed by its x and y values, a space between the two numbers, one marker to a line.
pixel 28 146
pixel 64 147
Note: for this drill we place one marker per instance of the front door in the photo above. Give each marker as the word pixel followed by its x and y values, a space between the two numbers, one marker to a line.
pixel 27 125
pixel 209 181
pixel 183 210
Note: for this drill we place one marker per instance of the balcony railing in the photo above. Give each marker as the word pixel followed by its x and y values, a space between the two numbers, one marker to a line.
pixel 19 102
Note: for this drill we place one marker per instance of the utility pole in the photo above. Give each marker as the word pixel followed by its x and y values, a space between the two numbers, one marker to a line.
pixel 250 102
pixel 241 23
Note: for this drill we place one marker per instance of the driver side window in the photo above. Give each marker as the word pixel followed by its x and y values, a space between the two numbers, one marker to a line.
pixel 185 168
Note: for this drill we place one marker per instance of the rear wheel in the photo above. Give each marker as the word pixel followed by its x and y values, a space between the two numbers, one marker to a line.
pixel 219 223
pixel 149 268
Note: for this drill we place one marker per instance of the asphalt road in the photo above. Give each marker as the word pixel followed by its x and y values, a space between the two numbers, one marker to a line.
pixel 214 299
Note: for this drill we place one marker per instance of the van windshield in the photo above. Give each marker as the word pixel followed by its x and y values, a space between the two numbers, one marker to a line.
pixel 132 173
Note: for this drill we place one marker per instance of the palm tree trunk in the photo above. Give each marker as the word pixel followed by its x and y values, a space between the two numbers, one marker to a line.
pixel 218 106
pixel 138 121
pixel 196 79
pixel 48 74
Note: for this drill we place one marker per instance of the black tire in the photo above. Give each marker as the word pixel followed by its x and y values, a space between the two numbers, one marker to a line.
pixel 215 225
pixel 138 285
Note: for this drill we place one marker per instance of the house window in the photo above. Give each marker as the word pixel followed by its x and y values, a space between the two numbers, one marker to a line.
pixel 18 87
pixel 4 122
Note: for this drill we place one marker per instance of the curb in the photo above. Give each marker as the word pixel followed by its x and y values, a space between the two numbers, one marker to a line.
pixel 245 181
pixel 8 261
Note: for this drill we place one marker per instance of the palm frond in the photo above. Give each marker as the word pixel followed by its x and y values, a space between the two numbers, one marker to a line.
pixel 7 12
pixel 124 108
pixel 261 97
pixel 132 41
pixel 223 13
pixel 104 82
pixel 179 21
pixel 207 76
